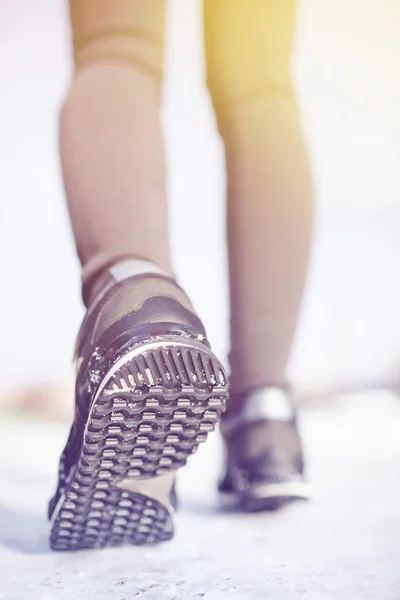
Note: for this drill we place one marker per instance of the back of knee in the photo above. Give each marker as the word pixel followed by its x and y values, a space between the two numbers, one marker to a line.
pixel 117 46
pixel 241 86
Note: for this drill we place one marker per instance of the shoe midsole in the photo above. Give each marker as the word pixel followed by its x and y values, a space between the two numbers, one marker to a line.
pixel 297 489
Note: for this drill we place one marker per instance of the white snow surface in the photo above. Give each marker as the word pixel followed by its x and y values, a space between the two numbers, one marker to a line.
pixel 344 544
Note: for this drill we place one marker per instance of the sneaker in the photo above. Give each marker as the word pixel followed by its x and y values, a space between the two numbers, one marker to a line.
pixel 148 391
pixel 264 460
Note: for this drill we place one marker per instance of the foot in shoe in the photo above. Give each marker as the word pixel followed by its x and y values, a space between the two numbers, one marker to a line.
pixel 264 460
pixel 148 391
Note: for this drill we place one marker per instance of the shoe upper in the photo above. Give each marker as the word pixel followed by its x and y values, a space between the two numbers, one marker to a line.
pixel 262 442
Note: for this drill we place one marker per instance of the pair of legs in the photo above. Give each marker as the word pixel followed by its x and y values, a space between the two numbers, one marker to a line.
pixel 114 169
pixel 148 387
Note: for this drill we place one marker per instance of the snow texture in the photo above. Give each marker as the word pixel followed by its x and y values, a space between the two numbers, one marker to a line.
pixel 344 544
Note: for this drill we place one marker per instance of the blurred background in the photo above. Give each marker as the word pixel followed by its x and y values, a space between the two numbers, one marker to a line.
pixel 346 68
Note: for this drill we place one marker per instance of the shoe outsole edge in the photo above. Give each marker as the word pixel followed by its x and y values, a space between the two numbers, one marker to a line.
pixel 265 497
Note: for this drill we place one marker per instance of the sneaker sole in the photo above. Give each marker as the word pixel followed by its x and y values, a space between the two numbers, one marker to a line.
pixel 150 412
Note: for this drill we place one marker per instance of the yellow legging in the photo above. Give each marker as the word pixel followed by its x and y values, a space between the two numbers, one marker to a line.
pixel 114 170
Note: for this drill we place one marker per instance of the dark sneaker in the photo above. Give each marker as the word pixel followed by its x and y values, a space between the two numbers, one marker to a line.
pixel 148 391
pixel 264 465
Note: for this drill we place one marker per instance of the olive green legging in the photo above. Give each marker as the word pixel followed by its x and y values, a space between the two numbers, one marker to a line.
pixel 114 170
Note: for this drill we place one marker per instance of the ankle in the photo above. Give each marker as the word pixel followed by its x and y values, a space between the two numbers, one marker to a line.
pixel 268 402
pixel 94 284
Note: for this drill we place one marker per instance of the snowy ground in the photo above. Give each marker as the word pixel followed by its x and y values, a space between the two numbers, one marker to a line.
pixel 345 544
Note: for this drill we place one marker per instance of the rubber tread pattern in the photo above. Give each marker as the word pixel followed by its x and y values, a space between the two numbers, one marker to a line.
pixel 149 417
